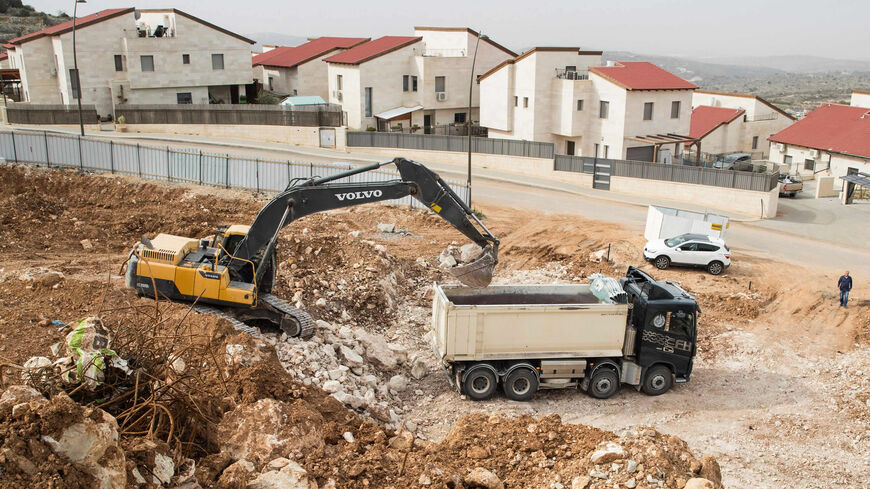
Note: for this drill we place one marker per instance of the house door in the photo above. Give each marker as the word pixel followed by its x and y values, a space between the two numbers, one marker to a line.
pixel 427 124
pixel 569 148
pixel 234 94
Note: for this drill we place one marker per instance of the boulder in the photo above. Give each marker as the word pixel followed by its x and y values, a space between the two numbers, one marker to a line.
pixel 480 477
pixel 267 429
pixel 477 452
pixel 349 357
pixel 699 483
pixel 91 442
pixel 398 383
pixel 285 474
pixel 387 228
pixel 419 367
pixel 19 394
pixel 710 470
pixel 36 370
pixel 151 461
pixel 332 386
pixel 377 351
pixel 236 476
pixel 403 440
pixel 607 452
pixel 581 482
pixel 470 252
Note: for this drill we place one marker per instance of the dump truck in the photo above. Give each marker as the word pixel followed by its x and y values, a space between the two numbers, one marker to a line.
pixel 593 337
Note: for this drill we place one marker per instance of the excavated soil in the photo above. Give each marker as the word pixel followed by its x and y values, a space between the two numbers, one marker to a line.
pixel 381 283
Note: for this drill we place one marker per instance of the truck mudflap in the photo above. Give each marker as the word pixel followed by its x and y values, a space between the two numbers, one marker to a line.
pixel 452 377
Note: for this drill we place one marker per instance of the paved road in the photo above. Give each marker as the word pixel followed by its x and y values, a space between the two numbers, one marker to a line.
pixel 814 232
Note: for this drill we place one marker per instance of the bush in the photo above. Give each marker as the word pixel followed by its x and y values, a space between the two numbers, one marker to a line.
pixel 267 98
pixel 371 129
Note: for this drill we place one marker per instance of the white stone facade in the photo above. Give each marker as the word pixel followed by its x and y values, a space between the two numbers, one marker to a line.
pixel 860 98
pixel 550 95
pixel 749 132
pixel 808 162
pixel 439 52
pixel 197 60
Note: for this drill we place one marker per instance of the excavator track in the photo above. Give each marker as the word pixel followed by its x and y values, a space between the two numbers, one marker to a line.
pixel 304 320
pixel 238 325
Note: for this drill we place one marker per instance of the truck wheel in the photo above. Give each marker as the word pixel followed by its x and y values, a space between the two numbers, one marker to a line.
pixel 480 384
pixel 662 262
pixel 520 385
pixel 715 267
pixel 603 384
pixel 658 380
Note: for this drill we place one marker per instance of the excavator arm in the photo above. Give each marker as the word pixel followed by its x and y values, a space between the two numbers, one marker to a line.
pixel 318 194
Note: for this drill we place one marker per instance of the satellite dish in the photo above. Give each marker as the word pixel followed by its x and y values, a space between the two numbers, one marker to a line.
pixel 137 14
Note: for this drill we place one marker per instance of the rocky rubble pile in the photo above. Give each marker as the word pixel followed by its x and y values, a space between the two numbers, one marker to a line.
pixel 358 368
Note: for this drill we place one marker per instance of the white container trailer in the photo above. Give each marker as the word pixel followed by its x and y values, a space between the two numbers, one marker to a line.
pixel 667 222
pixel 592 336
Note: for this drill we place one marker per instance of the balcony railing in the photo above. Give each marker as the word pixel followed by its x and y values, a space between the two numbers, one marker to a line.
pixel 761 117
pixel 571 74
pixel 443 53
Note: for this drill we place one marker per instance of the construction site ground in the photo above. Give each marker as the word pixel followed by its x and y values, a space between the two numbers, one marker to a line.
pixel 779 396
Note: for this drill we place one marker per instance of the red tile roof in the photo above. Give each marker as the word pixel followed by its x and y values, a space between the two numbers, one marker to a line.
pixel 832 127
pixel 67 26
pixel 288 57
pixel 372 49
pixel 641 75
pixel 706 118
pixel 4 55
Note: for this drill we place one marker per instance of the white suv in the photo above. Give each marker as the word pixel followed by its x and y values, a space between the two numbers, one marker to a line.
pixel 696 250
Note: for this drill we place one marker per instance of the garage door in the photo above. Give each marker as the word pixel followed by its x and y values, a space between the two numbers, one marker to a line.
pixel 640 153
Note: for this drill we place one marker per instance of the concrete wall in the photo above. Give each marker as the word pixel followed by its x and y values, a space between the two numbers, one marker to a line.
pixel 740 201
pixel 295 135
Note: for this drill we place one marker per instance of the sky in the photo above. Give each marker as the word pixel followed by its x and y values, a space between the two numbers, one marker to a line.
pixel 693 28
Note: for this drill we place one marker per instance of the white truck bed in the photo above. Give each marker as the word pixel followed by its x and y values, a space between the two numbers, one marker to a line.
pixel 504 322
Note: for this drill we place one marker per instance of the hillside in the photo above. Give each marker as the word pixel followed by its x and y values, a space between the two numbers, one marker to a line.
pixel 17 19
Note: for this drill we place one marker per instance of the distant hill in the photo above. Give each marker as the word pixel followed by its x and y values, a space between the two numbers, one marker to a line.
pixel 17 19
pixel 796 63
pixel 693 70
pixel 276 39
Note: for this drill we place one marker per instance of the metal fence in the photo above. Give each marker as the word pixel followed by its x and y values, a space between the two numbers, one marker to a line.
pixel 177 165
pixel 269 115
pixel 50 114
pixel 760 182
pixel 433 142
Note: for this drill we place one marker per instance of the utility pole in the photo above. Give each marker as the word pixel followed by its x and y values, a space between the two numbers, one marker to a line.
pixel 76 68
pixel 468 120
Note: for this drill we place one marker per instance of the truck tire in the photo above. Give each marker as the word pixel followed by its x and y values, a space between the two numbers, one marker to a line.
pixel 603 383
pixel 480 384
pixel 657 381
pixel 662 262
pixel 715 267
pixel 520 385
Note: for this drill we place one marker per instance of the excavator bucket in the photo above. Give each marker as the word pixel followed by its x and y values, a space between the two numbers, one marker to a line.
pixel 477 273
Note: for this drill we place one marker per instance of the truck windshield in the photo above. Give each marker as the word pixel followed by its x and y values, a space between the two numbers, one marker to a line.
pixel 682 322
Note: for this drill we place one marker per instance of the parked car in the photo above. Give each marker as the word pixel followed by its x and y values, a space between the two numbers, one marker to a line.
pixel 735 161
pixel 694 250
pixel 789 185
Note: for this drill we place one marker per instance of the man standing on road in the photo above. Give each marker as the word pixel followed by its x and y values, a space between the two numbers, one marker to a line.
pixel 845 285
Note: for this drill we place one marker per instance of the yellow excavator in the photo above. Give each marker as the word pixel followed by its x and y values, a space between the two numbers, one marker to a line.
pixel 232 273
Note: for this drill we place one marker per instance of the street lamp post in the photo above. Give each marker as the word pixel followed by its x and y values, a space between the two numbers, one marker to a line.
pixel 468 120
pixel 76 68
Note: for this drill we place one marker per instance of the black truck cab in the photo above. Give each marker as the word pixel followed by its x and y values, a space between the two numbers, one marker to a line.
pixel 663 327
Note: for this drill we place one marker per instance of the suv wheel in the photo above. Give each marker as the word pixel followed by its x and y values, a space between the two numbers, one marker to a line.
pixel 662 262
pixel 715 267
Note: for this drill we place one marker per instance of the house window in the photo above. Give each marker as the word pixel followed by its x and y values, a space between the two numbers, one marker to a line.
pixel 147 62
pixel 74 84
pixel 516 101
pixel 271 83
pixel 603 109
pixel 406 82
pixel 675 109
pixel 786 160
pixel 119 62
pixel 368 101
pixel 569 148
pixel 571 68
pixel 184 97
pixel 459 117
pixel 185 59
pixel 440 83
pixel 647 111
pixel 809 164
pixel 580 105
pixel 526 102
pixel 606 150
pixel 217 61
pixel 754 142
pixel 413 83
pixel 338 82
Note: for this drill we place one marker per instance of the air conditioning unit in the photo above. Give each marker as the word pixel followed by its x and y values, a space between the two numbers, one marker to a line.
pixel 814 153
pixel 441 96
pixel 53 71
pixel 336 94
pixel 780 147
